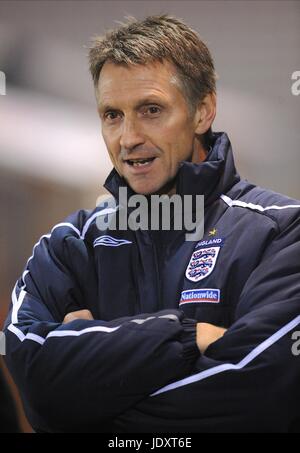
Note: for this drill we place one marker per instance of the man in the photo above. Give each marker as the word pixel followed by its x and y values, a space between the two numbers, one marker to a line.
pixel 120 330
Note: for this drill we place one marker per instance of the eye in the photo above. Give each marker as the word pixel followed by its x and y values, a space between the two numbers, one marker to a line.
pixel 111 115
pixel 152 110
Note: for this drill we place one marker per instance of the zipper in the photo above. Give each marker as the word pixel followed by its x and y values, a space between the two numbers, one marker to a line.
pixel 137 305
pixel 157 269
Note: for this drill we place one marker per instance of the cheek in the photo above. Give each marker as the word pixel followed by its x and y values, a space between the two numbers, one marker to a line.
pixel 184 145
pixel 112 148
pixel 178 140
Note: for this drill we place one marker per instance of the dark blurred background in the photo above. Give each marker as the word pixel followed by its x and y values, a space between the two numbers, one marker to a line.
pixel 52 157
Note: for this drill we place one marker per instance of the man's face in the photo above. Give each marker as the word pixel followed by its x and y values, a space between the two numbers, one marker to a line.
pixel 146 124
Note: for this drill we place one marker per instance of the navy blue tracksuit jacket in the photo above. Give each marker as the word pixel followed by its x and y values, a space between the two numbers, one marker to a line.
pixel 136 367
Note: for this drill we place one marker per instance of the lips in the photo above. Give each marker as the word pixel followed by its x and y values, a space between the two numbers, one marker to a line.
pixel 140 162
pixel 140 166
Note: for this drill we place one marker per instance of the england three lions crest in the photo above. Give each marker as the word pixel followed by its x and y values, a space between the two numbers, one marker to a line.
pixel 203 260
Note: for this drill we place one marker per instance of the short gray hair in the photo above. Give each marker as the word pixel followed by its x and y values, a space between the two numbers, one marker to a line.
pixel 154 39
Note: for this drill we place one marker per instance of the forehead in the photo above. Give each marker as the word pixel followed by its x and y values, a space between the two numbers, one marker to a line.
pixel 120 82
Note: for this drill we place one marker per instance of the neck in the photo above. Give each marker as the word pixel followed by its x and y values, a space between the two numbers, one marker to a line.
pixel 198 155
pixel 199 151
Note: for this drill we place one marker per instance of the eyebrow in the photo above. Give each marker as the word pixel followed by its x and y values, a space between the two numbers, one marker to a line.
pixel 146 101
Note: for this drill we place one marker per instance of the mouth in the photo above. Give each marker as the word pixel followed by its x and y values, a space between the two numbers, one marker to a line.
pixel 140 167
pixel 140 162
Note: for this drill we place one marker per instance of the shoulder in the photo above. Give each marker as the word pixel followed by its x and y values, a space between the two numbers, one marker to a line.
pixel 73 231
pixel 279 208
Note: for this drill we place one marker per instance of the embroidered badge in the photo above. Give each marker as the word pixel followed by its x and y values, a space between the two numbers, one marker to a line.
pixel 215 242
pixel 205 295
pixel 109 241
pixel 213 232
pixel 203 260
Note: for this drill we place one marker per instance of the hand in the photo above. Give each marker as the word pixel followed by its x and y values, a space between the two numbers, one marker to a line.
pixel 207 334
pixel 80 314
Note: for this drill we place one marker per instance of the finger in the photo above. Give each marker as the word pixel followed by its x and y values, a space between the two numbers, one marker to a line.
pixel 80 314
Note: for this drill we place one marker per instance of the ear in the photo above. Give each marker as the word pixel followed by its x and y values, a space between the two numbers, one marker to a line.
pixel 205 114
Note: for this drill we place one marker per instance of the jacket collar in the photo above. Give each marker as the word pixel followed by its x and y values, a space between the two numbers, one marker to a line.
pixel 212 177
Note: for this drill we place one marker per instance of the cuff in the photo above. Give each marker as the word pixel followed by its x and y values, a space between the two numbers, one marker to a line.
pixel 189 339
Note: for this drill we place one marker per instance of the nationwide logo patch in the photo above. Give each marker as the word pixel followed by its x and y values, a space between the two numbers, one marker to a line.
pixel 205 295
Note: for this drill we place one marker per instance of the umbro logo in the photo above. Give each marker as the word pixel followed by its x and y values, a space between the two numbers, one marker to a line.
pixel 109 241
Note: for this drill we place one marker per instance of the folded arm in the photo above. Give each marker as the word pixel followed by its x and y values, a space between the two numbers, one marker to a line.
pixel 79 374
pixel 248 380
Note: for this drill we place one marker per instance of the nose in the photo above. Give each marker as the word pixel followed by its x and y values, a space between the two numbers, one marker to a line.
pixel 131 136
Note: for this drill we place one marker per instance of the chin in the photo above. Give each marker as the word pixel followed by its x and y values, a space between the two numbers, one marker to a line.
pixel 145 189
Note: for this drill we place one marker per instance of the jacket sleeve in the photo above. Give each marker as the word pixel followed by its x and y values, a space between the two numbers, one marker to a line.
pixel 249 379
pixel 80 375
